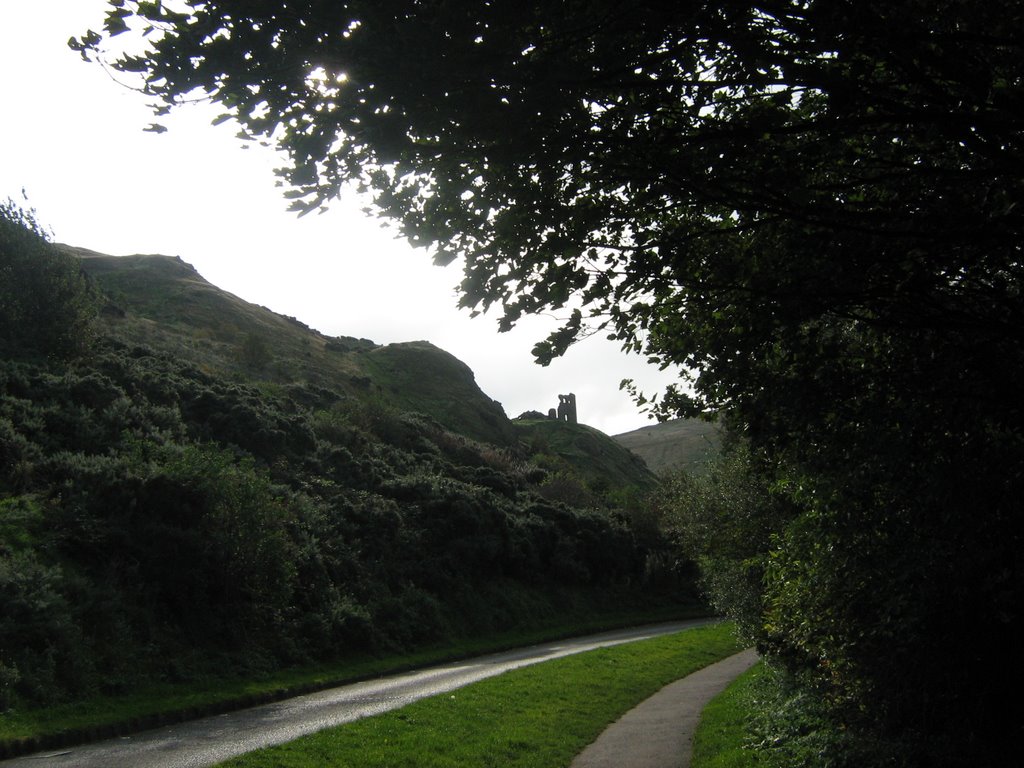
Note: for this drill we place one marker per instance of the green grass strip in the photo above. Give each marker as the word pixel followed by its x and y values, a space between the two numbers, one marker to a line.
pixel 723 734
pixel 22 731
pixel 536 717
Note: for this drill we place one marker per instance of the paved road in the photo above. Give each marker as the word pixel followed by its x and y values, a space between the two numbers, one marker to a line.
pixel 213 739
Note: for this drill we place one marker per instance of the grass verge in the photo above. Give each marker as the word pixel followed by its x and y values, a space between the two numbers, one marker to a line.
pixel 722 736
pixel 536 717
pixel 24 731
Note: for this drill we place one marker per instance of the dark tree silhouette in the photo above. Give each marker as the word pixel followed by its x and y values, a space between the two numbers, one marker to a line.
pixel 811 208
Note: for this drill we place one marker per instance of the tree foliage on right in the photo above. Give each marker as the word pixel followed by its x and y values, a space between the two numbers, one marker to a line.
pixel 812 208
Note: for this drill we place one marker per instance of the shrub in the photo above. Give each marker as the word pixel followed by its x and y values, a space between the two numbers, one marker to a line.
pixel 46 305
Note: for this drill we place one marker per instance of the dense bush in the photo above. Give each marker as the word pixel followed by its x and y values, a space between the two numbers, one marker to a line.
pixel 158 522
pixel 46 306
pixel 874 561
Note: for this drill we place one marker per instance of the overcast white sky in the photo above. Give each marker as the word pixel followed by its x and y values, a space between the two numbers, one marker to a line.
pixel 73 139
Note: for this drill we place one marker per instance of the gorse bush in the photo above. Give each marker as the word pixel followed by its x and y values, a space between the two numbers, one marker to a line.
pixel 162 522
pixel 46 305
pixel 158 523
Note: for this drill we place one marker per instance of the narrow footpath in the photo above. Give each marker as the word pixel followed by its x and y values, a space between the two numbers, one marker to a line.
pixel 658 732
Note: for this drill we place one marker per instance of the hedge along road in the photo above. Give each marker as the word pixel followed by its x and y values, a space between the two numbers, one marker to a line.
pixel 213 739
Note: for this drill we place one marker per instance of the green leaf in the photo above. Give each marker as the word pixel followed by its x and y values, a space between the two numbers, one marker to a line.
pixel 115 22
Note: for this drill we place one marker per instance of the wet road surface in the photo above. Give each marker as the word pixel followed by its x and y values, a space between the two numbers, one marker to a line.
pixel 214 739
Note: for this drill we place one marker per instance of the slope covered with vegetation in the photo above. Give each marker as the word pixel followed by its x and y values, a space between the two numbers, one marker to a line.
pixel 585 454
pixel 687 444
pixel 197 486
pixel 163 303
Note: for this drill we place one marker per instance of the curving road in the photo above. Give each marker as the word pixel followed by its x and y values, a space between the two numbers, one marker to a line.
pixel 213 739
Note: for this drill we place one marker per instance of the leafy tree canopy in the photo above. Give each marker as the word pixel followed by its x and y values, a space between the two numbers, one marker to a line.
pixel 701 176
pixel 813 205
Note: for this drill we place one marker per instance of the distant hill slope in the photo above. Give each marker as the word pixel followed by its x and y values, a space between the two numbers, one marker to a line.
pixel 686 443
pixel 163 302
pixel 598 459
pixel 418 376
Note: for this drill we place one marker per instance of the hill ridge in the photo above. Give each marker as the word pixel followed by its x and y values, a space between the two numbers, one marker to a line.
pixel 676 444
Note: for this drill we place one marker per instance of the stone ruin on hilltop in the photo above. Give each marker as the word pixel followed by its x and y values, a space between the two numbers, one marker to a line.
pixel 566 410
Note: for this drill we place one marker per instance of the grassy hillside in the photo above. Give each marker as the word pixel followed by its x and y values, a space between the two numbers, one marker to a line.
pixel 418 376
pixel 600 461
pixel 163 302
pixel 683 443
pixel 211 488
